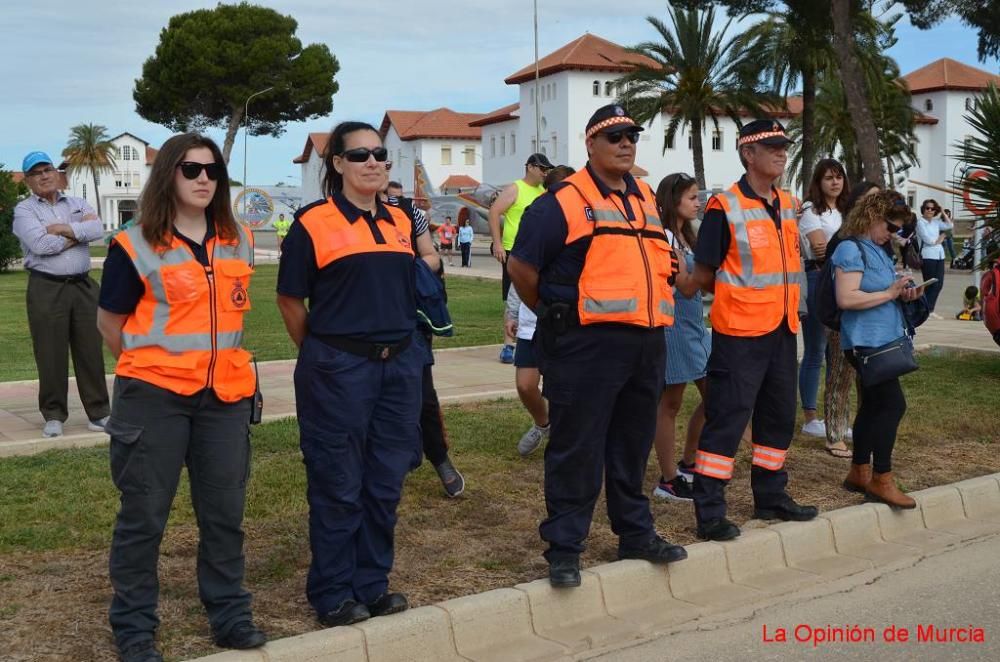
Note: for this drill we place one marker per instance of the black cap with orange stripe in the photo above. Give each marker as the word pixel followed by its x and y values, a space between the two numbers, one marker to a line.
pixel 766 132
pixel 610 118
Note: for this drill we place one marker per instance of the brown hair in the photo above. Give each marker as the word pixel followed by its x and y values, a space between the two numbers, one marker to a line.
pixel 556 175
pixel 668 196
pixel 882 206
pixel 158 202
pixel 815 193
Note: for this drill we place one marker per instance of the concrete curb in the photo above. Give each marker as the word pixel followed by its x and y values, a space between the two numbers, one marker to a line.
pixel 629 601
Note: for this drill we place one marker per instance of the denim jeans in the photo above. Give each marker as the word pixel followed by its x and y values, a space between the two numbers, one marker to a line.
pixel 814 338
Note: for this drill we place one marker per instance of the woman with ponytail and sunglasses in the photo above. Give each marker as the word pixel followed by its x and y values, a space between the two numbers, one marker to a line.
pixel 358 376
pixel 173 295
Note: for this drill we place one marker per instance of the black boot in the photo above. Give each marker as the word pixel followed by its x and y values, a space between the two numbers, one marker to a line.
pixel 718 529
pixel 564 573
pixel 786 509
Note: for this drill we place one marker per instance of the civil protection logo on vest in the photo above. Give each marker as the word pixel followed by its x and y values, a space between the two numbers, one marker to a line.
pixel 402 239
pixel 589 213
pixel 239 294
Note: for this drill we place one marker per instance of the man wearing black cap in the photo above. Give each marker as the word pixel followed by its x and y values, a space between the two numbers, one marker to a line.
pixel 592 260
pixel 511 204
pixel 748 255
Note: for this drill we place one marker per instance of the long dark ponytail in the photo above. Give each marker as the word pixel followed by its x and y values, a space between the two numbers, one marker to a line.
pixel 333 181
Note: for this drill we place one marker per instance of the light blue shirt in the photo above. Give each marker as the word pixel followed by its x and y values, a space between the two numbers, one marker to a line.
pixel 928 232
pixel 465 234
pixel 53 253
pixel 872 327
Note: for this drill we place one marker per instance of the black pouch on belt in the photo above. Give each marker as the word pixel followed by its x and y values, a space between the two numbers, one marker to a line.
pixel 257 406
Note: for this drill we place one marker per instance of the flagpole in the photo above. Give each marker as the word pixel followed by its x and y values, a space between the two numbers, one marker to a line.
pixel 538 99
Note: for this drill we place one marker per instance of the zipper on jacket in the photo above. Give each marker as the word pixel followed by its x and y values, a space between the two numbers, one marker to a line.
pixel 784 264
pixel 210 277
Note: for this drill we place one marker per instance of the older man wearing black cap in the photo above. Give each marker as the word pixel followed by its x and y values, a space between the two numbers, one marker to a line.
pixel 511 204
pixel 592 260
pixel 748 255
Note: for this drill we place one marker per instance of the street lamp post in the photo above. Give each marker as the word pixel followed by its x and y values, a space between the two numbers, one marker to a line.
pixel 246 126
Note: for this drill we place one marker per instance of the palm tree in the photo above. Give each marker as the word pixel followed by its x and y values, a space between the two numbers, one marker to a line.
pixel 89 148
pixel 795 46
pixel 696 76
pixel 979 151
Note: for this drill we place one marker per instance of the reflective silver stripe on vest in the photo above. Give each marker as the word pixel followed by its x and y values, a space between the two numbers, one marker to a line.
pixel 739 217
pixel 147 263
pixel 610 305
pixel 666 308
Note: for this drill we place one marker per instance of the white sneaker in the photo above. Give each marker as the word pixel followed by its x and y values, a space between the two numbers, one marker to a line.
pixel 849 434
pixel 531 440
pixel 98 424
pixel 815 428
pixel 52 429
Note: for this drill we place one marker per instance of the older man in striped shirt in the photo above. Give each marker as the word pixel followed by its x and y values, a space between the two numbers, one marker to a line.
pixel 55 230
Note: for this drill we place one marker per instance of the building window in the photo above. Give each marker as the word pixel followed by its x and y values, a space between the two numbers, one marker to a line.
pixel 690 141
pixel 911 199
pixel 532 96
pixel 493 147
pixel 135 179
pixel 967 143
pixel 534 146
pixel 470 156
pixel 84 191
pixel 669 140
pixel 928 105
pixel 553 90
pixel 968 103
pixel 446 155
pixel 717 140
pixel 513 143
pixel 609 87
pixel 503 145
pixel 597 88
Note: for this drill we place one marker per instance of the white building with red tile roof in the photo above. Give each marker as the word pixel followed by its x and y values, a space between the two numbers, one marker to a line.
pixel 441 139
pixel 120 188
pixel 580 77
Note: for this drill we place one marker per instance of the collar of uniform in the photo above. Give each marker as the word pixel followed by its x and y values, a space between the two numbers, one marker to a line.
pixel 631 188
pixel 209 234
pixel 352 213
pixel 748 192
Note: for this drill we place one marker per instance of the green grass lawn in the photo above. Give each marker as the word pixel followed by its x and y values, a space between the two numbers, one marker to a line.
pixel 475 308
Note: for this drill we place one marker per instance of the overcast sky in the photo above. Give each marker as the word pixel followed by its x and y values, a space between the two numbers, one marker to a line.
pixel 66 62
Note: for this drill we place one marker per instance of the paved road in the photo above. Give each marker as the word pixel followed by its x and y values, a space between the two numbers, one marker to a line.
pixel 958 588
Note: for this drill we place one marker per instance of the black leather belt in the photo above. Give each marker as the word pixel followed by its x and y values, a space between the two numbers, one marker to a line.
pixel 71 278
pixel 373 351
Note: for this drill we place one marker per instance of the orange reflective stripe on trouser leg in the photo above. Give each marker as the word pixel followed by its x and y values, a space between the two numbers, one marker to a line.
pixel 713 466
pixel 768 458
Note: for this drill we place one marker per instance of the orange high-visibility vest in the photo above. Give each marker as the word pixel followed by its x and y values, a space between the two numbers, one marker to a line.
pixel 334 237
pixel 186 333
pixel 760 282
pixel 629 264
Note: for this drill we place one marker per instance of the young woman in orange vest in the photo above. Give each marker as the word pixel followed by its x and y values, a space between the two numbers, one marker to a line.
pixel 687 340
pixel 173 296
pixel 358 376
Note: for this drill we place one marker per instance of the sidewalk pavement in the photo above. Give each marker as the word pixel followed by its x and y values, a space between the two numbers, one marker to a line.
pixel 460 374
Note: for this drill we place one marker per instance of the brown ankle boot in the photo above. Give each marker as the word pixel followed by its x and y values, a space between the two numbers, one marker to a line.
pixel 858 478
pixel 883 488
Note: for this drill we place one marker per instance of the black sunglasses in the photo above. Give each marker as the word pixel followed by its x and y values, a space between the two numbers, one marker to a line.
pixel 361 154
pixel 929 209
pixel 683 179
pixel 893 228
pixel 615 137
pixel 192 169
